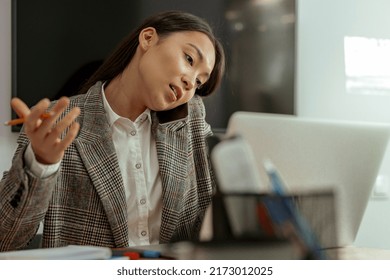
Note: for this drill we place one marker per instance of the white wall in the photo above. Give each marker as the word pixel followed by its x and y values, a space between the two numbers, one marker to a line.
pixel 7 139
pixel 321 92
pixel 322 26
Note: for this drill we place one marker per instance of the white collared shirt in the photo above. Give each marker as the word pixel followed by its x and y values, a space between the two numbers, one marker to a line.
pixel 138 163
pixel 137 156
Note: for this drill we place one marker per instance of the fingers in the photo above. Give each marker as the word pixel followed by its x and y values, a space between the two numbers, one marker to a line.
pixel 33 117
pixel 53 150
pixel 50 148
pixel 55 131
pixel 45 134
pixel 70 136
pixel 20 108
pixel 46 126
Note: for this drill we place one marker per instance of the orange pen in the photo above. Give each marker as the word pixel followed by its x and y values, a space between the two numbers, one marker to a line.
pixel 21 120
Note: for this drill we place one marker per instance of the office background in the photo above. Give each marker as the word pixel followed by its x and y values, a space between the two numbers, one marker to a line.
pixel 52 52
pixel 324 30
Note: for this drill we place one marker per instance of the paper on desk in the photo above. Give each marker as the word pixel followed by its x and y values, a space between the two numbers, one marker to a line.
pixel 72 252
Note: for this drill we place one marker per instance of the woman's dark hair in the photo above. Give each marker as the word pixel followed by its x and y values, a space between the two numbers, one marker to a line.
pixel 165 23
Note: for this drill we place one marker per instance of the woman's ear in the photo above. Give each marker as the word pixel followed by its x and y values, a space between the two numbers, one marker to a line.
pixel 147 37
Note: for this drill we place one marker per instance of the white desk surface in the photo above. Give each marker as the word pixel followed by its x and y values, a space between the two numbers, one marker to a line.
pixel 358 253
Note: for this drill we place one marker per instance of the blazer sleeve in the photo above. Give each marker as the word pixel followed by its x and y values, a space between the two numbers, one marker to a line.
pixel 24 200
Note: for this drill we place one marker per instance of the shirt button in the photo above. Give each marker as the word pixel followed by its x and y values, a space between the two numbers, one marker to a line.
pixel 138 165
pixel 133 132
pixel 143 233
pixel 142 201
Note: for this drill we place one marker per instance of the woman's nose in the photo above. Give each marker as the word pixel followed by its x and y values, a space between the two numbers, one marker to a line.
pixel 188 81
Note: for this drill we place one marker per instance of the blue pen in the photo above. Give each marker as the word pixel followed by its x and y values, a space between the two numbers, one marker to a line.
pixel 150 254
pixel 304 229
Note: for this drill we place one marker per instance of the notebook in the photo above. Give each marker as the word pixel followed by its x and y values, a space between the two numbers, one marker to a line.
pixel 71 252
pixel 318 155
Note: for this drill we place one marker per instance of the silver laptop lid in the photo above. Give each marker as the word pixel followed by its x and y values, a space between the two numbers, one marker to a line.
pixel 314 155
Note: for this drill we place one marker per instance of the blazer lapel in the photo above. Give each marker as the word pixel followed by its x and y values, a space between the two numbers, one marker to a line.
pixel 97 151
pixel 172 153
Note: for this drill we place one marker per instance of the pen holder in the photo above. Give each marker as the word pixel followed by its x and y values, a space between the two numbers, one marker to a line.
pixel 263 218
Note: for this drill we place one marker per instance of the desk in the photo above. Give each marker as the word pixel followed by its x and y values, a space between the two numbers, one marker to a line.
pixel 226 251
pixel 186 251
pixel 345 253
pixel 356 253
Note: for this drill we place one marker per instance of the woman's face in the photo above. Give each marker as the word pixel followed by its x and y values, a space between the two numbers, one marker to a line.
pixel 173 67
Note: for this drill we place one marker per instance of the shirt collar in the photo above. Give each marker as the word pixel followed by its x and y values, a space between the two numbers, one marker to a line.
pixel 112 117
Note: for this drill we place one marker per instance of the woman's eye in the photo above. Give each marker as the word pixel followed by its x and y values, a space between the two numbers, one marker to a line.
pixel 189 59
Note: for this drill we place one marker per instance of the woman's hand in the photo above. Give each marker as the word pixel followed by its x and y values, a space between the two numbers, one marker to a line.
pixel 44 134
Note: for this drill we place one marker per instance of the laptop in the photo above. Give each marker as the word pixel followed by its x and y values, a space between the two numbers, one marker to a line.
pixel 316 155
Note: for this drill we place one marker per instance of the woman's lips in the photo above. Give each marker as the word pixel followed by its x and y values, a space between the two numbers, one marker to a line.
pixel 176 91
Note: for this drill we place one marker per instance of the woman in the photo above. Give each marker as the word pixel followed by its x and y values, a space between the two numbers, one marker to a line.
pixel 126 163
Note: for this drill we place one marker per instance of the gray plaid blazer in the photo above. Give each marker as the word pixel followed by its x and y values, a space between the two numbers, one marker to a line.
pixel 84 202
